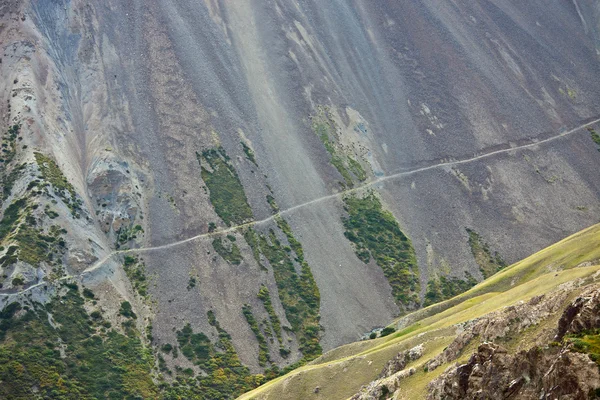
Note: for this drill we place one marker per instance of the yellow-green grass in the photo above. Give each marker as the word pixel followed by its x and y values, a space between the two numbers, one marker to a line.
pixel 341 372
pixel 568 253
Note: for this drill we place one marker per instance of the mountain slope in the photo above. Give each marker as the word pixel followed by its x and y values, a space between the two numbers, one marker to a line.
pixel 518 308
pixel 282 178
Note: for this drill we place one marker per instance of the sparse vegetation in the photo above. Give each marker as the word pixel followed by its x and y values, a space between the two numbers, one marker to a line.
pixel 298 293
pixel 228 250
pixel 126 234
pixel 53 176
pixel 489 262
pixel 325 128
pixel 595 137
pixel 263 349
pixel 35 246
pixel 225 189
pixel 136 272
pixel 8 181
pixel 95 362
pixel 9 144
pixel 224 375
pixel 265 296
pixel 587 342
pixel 10 218
pixel 191 283
pixel 442 288
pixel 249 153
pixel 272 203
pixel 126 310
pixel 376 234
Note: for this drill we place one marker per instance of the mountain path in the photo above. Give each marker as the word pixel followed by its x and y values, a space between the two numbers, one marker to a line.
pixel 363 186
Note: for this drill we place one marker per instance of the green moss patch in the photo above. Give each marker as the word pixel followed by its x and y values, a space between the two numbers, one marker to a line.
pixel 376 234
pixel 225 189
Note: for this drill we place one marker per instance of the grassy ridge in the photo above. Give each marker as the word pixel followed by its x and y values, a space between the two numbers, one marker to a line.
pixel 340 372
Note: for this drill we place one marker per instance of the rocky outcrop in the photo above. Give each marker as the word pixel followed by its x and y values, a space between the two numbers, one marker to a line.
pixel 507 321
pixel 492 373
pixel 581 315
pixel 554 372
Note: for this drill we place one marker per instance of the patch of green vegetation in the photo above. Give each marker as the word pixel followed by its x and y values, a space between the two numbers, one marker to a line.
pixel 298 293
pixel 265 296
pixel 376 234
pixel 388 330
pixel 325 128
pixel 252 239
pixel 35 246
pixel 489 262
pixel 249 153
pixel 263 349
pixel 272 203
pixel 53 176
pixel 136 272
pixel 587 342
pixel 125 234
pixel 442 288
pixel 8 181
pixel 595 137
pixel 9 145
pixel 224 376
pixel 126 310
pixel 10 218
pixel 294 244
pixel 225 189
pixel 31 244
pixel 228 250
pixel 357 169
pixel 77 359
pixel 191 283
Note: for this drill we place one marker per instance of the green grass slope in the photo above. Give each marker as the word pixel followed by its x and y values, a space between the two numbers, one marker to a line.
pixel 341 372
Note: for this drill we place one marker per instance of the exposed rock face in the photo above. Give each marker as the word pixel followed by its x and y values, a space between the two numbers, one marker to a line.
pixel 555 372
pixel 492 373
pixel 499 324
pixel 581 315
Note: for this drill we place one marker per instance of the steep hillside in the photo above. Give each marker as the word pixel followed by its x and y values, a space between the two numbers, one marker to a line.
pixel 526 306
pixel 260 182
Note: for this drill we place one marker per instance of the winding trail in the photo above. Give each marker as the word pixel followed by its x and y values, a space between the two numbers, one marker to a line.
pixel 434 165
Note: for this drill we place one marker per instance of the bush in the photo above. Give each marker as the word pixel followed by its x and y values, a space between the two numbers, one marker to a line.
pixel 387 331
pixel 126 310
